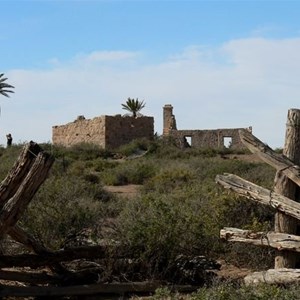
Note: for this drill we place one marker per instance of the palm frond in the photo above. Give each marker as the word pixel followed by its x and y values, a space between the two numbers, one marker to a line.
pixel 4 92
pixel 133 106
pixel 5 86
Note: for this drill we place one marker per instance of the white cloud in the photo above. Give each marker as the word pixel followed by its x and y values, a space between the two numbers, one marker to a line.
pixel 97 59
pixel 102 56
pixel 241 83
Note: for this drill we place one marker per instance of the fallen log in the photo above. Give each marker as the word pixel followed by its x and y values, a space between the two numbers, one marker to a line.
pixel 280 162
pixel 280 241
pixel 259 194
pixel 274 276
pixel 87 276
pixel 93 289
pixel 50 258
pixel 29 277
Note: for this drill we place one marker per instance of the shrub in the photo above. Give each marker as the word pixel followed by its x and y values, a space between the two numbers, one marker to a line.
pixel 82 151
pixel 230 291
pixel 65 205
pixel 8 157
pixel 168 179
pixel 129 172
pixel 180 209
pixel 158 228
pixel 135 147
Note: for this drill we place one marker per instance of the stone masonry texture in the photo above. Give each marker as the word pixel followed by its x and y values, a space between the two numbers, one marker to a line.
pixel 109 132
pixel 214 138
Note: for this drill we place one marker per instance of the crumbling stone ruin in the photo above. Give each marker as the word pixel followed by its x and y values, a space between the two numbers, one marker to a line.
pixel 215 139
pixel 109 132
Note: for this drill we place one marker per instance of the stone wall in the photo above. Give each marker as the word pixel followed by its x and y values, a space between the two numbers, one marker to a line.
pixel 121 130
pixel 105 131
pixel 214 138
pixel 81 130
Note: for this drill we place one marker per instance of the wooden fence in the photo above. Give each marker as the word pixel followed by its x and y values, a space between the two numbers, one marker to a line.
pixel 284 198
pixel 16 191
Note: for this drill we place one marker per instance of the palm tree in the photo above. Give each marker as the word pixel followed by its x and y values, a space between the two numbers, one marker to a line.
pixel 4 87
pixel 133 106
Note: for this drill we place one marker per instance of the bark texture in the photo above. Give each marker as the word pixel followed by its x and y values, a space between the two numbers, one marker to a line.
pixel 284 186
pixel 279 241
pixel 274 276
pixel 259 194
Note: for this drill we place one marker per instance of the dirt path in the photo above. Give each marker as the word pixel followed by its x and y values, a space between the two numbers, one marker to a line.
pixel 231 272
pixel 127 191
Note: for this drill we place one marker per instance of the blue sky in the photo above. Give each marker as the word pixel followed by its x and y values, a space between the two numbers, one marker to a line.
pixel 221 64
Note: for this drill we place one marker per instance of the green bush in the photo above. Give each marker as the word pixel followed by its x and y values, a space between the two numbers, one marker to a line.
pixel 82 151
pixel 229 291
pixel 129 172
pixel 168 179
pixel 135 147
pixel 159 228
pixel 180 208
pixel 63 206
pixel 187 186
pixel 8 158
pixel 232 291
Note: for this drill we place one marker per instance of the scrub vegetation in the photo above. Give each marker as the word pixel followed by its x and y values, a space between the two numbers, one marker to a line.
pixel 179 209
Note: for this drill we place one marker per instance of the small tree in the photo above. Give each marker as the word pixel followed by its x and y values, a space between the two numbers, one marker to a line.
pixel 4 87
pixel 133 106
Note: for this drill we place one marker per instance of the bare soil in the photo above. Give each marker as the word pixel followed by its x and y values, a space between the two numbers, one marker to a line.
pixel 245 157
pixel 125 191
pixel 231 272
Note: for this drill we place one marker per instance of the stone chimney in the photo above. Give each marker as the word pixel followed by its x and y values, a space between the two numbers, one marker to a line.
pixel 169 119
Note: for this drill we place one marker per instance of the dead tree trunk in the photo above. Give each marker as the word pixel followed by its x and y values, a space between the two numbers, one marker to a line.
pixel 286 187
pixel 10 184
pixel 28 173
pixel 16 205
pixel 9 187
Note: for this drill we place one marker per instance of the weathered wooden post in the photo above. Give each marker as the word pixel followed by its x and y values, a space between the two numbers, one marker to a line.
pixel 286 187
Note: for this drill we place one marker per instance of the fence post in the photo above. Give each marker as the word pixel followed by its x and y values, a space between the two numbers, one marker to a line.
pixel 285 187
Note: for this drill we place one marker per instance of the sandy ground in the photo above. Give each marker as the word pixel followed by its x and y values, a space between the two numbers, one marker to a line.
pixel 127 191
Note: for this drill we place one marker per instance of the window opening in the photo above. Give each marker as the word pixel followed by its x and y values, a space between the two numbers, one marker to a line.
pixel 188 141
pixel 227 141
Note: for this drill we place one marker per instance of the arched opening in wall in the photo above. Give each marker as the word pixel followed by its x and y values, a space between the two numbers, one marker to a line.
pixel 187 141
pixel 227 141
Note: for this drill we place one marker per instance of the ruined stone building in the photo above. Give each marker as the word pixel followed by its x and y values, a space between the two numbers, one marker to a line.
pixel 109 132
pixel 213 138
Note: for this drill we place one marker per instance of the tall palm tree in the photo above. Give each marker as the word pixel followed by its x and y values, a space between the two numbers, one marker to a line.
pixel 133 106
pixel 4 87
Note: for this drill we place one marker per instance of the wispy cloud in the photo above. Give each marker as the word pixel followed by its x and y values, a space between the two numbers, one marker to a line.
pixel 240 83
pixel 104 56
pixel 97 59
